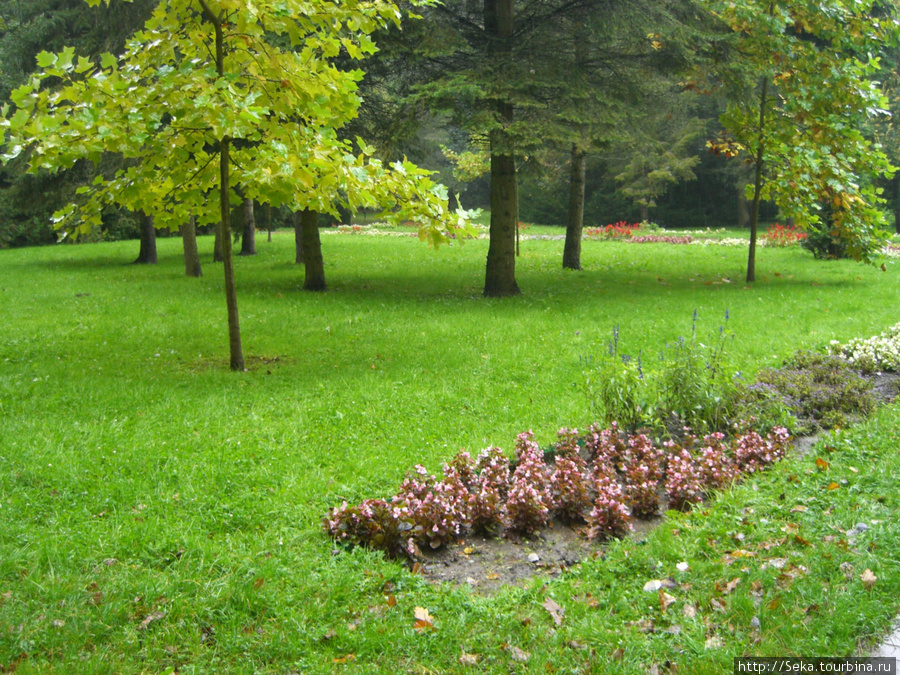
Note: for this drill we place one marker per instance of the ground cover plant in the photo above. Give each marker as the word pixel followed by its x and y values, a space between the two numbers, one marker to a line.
pixel 160 514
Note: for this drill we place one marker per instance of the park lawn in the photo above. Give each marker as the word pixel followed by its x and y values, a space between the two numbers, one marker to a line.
pixel 159 513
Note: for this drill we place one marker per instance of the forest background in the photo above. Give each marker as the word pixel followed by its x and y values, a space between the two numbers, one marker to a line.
pixel 649 115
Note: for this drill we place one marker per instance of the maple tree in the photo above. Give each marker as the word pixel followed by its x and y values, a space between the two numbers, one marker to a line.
pixel 799 80
pixel 210 106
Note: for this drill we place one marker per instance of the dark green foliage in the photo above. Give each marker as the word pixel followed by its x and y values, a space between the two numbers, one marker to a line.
pixel 821 391
pixel 27 28
pixel 822 244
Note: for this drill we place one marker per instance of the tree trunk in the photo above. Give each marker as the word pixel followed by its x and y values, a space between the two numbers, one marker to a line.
pixel 191 254
pixel 298 237
pixel 147 254
pixel 269 221
pixel 743 210
pixel 218 255
pixel 452 200
pixel 645 212
pixel 234 328
pixel 757 183
pixel 248 239
pixel 500 272
pixel 575 215
pixel 345 214
pixel 312 252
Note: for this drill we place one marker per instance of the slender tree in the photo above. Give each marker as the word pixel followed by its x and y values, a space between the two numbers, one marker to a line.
pixel 206 104
pixel 192 267
pixel 147 254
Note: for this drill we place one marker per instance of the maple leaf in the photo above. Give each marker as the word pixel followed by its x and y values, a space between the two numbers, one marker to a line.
pixel 424 620
pixel 469 659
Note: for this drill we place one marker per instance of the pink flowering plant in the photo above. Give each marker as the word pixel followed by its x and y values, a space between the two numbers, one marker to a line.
pixel 609 516
pixel 490 490
pixel 683 486
pixel 529 501
pixel 717 469
pixel 622 479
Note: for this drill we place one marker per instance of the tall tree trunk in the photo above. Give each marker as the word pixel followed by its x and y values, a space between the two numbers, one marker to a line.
pixel 147 254
pixel 575 215
pixel 248 239
pixel 743 210
pixel 234 328
pixel 269 221
pixel 312 252
pixel 452 200
pixel 346 215
pixel 218 251
pixel 757 182
pixel 298 237
pixel 191 254
pixel 500 272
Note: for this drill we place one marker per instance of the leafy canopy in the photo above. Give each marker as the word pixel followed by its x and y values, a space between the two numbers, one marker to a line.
pixel 817 61
pixel 164 106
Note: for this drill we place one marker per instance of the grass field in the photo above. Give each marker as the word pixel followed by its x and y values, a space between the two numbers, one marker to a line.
pixel 159 513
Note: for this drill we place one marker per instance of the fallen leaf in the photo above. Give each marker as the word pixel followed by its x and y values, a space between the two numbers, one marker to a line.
pixel 517 654
pixel 682 567
pixel 713 643
pixel 774 603
pixel 868 579
pixel 799 509
pixel 618 654
pixel 58 623
pixel 652 585
pixel 469 659
pixel 853 469
pixel 493 575
pixel 822 464
pixel 154 616
pixel 689 611
pixel 729 587
pixel 344 659
pixel 741 553
pixel 556 612
pixel 258 584
pixel 665 601
pixel 800 540
pixel 833 486
pixel 391 600
pixel 674 629
pixel 424 620
pixel 469 550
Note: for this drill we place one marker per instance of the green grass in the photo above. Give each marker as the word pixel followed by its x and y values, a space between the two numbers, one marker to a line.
pixel 140 479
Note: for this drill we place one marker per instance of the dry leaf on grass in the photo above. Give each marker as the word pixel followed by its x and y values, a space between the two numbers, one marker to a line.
pixel 556 612
pixel 154 616
pixel 665 600
pixel 469 659
pixel 868 579
pixel 517 654
pixel 424 620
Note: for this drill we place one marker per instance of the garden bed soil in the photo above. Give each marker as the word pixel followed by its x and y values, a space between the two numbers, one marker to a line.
pixel 486 564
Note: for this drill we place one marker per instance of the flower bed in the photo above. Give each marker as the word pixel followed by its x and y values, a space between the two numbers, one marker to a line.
pixel 603 478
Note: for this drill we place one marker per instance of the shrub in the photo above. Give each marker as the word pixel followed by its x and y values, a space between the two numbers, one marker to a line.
pixel 820 390
pixel 491 489
pixel 528 503
pixel 609 517
pixel 822 244
pixel 754 453
pixel 569 488
pixel 877 353
pixel 375 523
pixel 716 469
pixel 682 478
pixel 438 510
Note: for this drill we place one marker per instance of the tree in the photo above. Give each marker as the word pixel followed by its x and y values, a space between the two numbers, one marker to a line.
pixel 208 106
pixel 147 253
pixel 798 78
pixel 248 236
